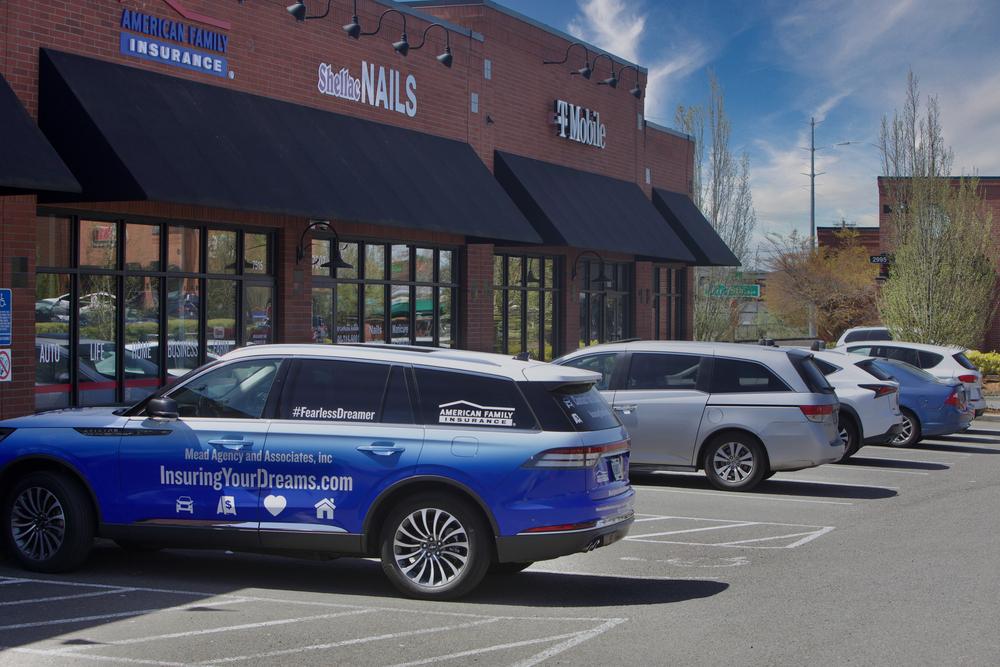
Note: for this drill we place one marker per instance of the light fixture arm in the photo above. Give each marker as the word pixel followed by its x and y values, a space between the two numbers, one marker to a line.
pixel 576 261
pixel 300 250
pixel 566 57
pixel 637 91
pixel 610 60
pixel 382 16
pixel 423 39
pixel 318 16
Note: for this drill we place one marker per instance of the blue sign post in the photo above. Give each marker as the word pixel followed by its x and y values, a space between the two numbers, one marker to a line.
pixel 5 317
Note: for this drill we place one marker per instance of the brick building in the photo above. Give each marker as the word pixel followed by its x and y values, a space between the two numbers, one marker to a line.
pixel 989 190
pixel 182 177
pixel 868 237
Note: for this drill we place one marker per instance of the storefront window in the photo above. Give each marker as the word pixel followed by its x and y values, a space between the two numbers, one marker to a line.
pixel 605 301
pixel 524 299
pixel 112 330
pixel 668 303
pixel 395 295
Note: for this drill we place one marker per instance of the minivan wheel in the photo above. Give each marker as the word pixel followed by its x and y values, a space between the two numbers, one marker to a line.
pixel 910 435
pixel 735 462
pixel 48 522
pixel 435 547
pixel 849 434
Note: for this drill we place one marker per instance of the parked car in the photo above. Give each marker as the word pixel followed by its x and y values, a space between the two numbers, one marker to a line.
pixel 315 448
pixel 858 334
pixel 96 370
pixel 930 406
pixel 869 409
pixel 738 412
pixel 946 363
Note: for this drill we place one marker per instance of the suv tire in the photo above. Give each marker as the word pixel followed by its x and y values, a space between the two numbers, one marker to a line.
pixel 435 547
pixel 735 462
pixel 849 432
pixel 48 522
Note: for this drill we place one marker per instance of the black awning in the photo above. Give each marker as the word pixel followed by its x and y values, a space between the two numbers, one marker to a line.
pixel 696 231
pixel 28 163
pixel 130 134
pixel 585 210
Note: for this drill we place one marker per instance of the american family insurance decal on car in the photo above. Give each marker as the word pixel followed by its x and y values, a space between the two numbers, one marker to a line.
pixel 464 412
pixel 378 87
pixel 174 43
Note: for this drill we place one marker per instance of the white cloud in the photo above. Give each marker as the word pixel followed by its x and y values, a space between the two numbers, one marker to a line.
pixel 619 27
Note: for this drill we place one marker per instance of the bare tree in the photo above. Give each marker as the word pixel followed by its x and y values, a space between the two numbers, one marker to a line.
pixel 942 280
pixel 721 185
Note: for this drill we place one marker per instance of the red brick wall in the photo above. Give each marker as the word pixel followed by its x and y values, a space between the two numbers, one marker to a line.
pixel 868 237
pixel 17 222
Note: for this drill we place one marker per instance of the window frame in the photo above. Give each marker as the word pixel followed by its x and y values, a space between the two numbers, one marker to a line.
pixel 76 272
pixel 712 375
pixel 623 286
pixel 669 302
pixel 508 289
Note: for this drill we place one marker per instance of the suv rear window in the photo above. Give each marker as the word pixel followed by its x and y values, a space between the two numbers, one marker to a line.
pixel 855 336
pixel 569 407
pixel 929 359
pixel 964 361
pixel 869 366
pixel 810 373
pixel 451 398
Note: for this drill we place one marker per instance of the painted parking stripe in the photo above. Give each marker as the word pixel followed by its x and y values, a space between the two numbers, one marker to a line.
pixel 823 482
pixel 101 617
pixel 569 643
pixel 486 649
pixel 807 536
pixel 349 642
pixel 7 582
pixel 878 469
pixel 697 530
pixel 105 659
pixel 59 598
pixel 917 450
pixel 210 631
pixel 742 497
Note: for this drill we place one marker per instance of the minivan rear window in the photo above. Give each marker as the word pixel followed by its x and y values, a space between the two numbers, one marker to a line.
pixel 964 361
pixel 569 407
pixel 811 374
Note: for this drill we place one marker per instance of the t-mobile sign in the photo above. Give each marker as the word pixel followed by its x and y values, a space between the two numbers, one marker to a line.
pixel 579 124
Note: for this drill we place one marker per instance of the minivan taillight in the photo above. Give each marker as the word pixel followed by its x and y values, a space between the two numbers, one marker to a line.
pixel 816 413
pixel 970 378
pixel 879 389
pixel 576 457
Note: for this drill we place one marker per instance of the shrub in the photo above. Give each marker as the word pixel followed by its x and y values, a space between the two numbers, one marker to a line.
pixel 987 362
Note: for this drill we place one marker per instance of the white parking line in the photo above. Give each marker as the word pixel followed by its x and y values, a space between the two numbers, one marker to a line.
pixel 569 643
pixel 696 530
pixel 4 582
pixel 486 649
pixel 917 450
pixel 348 642
pixel 877 469
pixel 58 598
pixel 106 659
pixel 101 617
pixel 826 483
pixel 806 535
pixel 743 497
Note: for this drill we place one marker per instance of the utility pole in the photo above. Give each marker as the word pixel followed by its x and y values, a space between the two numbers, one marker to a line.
pixel 812 192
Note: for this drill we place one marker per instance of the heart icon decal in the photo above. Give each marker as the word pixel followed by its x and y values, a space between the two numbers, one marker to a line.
pixel 275 504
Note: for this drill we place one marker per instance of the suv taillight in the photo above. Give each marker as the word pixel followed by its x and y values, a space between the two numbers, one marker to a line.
pixel 879 389
pixel 970 378
pixel 817 413
pixel 576 457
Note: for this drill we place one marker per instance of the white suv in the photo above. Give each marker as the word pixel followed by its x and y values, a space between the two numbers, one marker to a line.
pixel 946 363
pixel 869 408
pixel 739 412
pixel 861 334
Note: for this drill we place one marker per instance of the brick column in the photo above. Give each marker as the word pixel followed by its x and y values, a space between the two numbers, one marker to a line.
pixel 569 305
pixel 294 282
pixel 477 297
pixel 17 271
pixel 643 300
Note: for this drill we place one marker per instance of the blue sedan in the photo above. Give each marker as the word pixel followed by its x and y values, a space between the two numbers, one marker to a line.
pixel 930 406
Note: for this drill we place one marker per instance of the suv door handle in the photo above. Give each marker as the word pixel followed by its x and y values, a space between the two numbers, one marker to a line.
pixel 231 443
pixel 382 448
pixel 626 409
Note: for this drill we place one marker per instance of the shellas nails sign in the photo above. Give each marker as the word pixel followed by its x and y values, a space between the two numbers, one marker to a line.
pixel 378 87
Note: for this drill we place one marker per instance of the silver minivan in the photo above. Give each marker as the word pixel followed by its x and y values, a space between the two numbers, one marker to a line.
pixel 738 412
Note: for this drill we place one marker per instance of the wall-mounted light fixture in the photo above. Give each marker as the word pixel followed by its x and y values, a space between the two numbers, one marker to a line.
pixel 354 31
pixel 445 57
pixel 611 80
pixel 337 261
pixel 298 10
pixel 584 71
pixel 603 279
pixel 636 91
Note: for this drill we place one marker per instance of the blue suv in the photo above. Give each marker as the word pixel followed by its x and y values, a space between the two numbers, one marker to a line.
pixel 445 464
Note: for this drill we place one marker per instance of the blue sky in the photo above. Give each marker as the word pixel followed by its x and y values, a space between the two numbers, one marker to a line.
pixel 843 61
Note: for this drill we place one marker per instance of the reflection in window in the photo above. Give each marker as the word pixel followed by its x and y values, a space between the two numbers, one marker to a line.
pixel 98 244
pixel 233 391
pixel 256 254
pixel 668 303
pixel 183 299
pixel 184 249
pixel 322 315
pixel 220 325
pixel 524 298
pixel 142 336
pixel 605 305
pixel 348 324
pixel 321 257
pixel 142 247
pixel 96 314
pixel 52 322
pixel 221 251
pixel 53 246
pixel 257 312
pixel 374 313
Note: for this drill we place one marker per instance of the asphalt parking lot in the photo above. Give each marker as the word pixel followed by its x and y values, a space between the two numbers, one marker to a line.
pixel 891 559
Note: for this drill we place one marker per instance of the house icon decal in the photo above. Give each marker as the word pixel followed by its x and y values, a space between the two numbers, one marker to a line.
pixel 324 509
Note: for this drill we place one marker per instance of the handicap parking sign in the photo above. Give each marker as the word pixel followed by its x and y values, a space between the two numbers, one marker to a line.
pixel 5 317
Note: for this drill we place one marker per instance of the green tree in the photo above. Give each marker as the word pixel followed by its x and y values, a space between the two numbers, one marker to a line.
pixel 942 279
pixel 721 184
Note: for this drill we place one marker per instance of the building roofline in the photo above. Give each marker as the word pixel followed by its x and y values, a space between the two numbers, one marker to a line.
pixel 954 178
pixel 662 128
pixel 521 17
pixel 854 227
pixel 408 9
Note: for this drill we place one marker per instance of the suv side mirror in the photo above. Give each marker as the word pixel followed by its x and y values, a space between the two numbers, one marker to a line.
pixel 162 408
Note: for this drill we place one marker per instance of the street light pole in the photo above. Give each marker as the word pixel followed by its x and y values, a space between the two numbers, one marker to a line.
pixel 812 193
